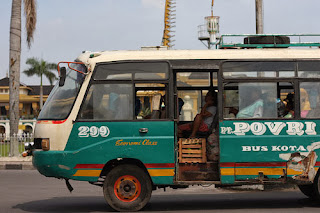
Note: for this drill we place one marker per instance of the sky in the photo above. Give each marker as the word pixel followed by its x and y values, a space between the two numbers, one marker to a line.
pixel 66 28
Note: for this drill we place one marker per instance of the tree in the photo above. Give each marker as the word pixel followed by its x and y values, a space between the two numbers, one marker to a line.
pixel 40 68
pixel 14 61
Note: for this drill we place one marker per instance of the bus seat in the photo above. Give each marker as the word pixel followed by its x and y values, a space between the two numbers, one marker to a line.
pixel 156 104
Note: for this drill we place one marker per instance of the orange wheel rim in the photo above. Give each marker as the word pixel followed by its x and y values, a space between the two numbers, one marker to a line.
pixel 127 188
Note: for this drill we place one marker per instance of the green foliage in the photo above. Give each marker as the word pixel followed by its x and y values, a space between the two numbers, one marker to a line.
pixel 39 67
pixel 145 111
pixel 5 148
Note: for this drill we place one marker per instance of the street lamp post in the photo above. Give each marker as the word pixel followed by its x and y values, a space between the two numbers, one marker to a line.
pixel 259 16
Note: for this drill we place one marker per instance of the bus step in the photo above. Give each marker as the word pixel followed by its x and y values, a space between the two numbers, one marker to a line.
pixel 199 176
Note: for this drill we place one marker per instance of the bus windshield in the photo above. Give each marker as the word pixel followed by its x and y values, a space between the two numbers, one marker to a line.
pixel 61 99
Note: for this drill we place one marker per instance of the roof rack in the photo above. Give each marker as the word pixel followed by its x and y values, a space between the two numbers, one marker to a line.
pixel 268 41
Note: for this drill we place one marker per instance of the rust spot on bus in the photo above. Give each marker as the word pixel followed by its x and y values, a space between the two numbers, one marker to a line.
pixel 304 164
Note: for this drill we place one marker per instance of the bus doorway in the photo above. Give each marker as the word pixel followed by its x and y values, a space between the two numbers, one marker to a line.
pixel 197 116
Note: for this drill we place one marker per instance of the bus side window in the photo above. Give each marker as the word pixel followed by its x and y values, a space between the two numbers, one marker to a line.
pixel 309 99
pixel 152 104
pixel 255 100
pixel 192 86
pixel 108 102
pixel 189 104
pixel 286 103
pixel 309 91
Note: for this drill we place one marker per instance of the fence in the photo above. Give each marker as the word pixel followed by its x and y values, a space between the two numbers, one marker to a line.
pixel 5 143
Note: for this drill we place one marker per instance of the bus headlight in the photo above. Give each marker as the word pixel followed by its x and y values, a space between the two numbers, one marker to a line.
pixel 28 146
pixel 45 144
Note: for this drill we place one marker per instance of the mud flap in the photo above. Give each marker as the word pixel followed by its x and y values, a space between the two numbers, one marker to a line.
pixel 70 188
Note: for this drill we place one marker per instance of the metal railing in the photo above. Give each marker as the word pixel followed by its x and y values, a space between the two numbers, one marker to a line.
pixel 203 33
pixel 5 143
pixel 296 40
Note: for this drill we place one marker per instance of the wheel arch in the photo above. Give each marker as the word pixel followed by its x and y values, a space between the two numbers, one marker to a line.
pixel 121 161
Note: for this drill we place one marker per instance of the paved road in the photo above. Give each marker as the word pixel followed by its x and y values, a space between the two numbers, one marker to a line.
pixel 28 191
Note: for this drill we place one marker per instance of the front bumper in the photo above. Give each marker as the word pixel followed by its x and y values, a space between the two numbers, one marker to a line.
pixel 58 164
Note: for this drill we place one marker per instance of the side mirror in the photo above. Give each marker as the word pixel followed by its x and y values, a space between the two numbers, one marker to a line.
pixel 62 76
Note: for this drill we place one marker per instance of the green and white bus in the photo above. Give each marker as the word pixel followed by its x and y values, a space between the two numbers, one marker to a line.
pixel 113 118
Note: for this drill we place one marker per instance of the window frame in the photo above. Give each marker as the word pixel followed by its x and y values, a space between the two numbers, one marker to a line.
pixel 133 82
pixel 221 101
pixel 257 78
pixel 196 88
pixel 75 99
pixel 298 102
pixel 294 80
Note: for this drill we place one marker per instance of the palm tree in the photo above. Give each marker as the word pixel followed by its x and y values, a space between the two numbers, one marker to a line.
pixel 14 61
pixel 40 68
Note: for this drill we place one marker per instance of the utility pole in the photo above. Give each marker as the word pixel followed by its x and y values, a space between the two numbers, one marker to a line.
pixel 212 7
pixel 259 17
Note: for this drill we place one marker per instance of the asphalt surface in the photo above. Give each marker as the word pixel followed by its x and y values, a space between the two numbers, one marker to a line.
pixel 28 191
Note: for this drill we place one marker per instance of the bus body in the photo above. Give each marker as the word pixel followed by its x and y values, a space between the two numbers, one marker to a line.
pixel 114 121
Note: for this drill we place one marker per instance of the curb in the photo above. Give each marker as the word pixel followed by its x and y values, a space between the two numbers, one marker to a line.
pixel 16 166
pixel 16 163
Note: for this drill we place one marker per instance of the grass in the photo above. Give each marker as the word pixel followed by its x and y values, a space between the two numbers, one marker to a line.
pixel 5 149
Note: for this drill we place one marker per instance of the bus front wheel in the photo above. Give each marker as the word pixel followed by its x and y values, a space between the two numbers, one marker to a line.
pixel 127 188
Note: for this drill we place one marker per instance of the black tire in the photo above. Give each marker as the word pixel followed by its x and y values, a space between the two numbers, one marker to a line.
pixel 313 190
pixel 316 187
pixel 267 40
pixel 127 188
pixel 307 190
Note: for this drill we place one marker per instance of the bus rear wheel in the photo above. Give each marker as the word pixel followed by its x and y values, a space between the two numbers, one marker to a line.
pixel 316 186
pixel 307 190
pixel 313 190
pixel 127 188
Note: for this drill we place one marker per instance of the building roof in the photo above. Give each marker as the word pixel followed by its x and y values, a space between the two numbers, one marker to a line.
pixel 5 82
pixel 36 89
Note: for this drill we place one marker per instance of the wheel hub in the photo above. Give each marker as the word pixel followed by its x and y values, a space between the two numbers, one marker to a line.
pixel 127 188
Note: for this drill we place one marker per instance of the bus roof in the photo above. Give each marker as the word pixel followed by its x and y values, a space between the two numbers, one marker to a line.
pixel 91 58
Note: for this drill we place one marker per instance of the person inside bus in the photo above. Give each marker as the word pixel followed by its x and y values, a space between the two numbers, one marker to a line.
pixel 304 103
pixel 204 119
pixel 254 104
pixel 137 106
pixel 289 105
pixel 180 105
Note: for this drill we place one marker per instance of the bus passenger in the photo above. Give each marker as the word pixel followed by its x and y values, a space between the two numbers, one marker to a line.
pixel 254 108
pixel 304 103
pixel 289 105
pixel 204 119
pixel 180 105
